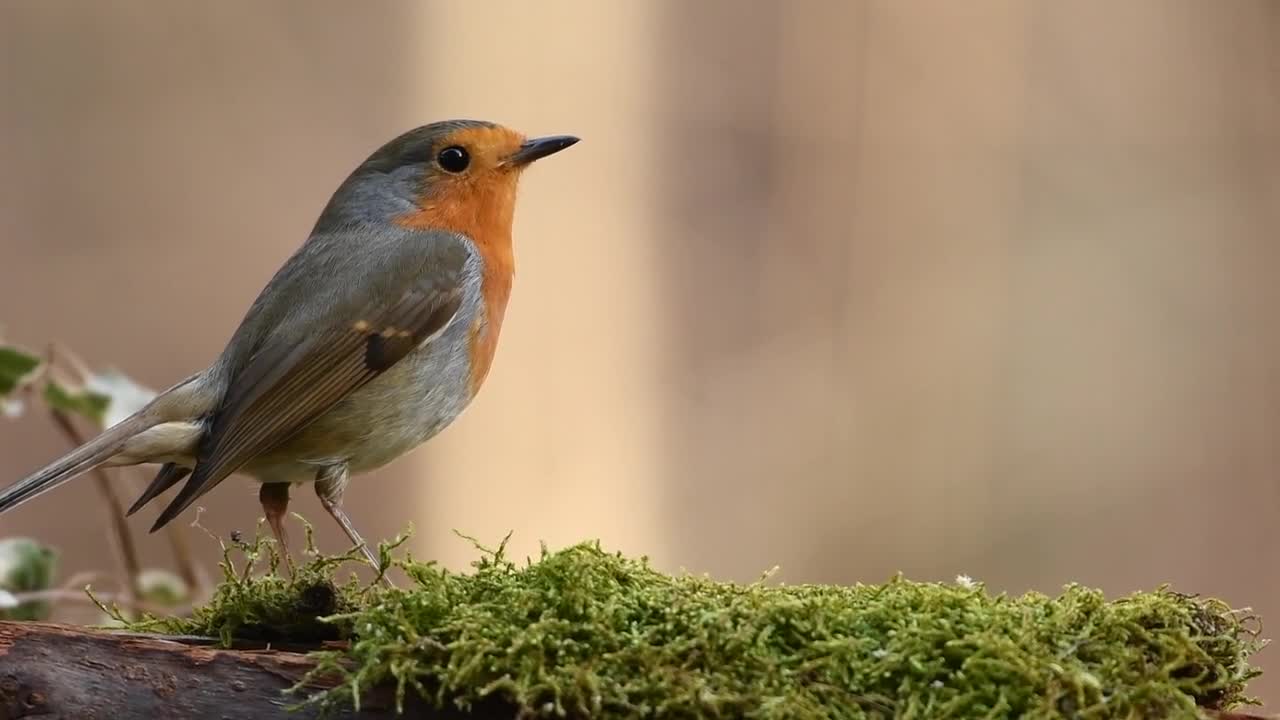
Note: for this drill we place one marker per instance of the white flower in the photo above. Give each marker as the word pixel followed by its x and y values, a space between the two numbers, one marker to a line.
pixel 12 407
pixel 127 396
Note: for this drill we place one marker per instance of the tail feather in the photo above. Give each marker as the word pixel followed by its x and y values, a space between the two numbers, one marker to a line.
pixel 187 399
pixel 169 475
pixel 73 464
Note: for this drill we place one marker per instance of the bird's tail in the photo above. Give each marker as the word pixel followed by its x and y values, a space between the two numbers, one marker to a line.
pixel 175 401
pixel 75 463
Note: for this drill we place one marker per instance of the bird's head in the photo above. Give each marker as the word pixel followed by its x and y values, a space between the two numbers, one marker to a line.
pixel 458 175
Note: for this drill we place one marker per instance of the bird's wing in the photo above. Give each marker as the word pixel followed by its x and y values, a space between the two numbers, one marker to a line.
pixel 361 315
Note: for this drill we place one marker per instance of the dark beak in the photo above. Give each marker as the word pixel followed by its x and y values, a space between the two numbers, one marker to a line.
pixel 539 148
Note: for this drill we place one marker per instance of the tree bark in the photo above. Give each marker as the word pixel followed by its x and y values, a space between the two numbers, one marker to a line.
pixel 55 672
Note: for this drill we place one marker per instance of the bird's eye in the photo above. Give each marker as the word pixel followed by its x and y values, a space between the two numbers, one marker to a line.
pixel 454 159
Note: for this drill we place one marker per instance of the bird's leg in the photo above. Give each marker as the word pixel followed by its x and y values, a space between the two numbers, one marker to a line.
pixel 331 481
pixel 275 503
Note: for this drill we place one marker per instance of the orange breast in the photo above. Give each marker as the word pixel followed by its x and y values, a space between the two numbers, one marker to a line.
pixel 495 289
pixel 482 210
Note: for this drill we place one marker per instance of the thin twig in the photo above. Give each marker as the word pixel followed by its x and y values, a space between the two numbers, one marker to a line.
pixel 64 354
pixel 80 579
pixel 80 596
pixel 187 570
pixel 198 582
pixel 26 386
pixel 124 538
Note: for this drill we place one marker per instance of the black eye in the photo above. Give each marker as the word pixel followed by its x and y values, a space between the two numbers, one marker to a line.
pixel 454 159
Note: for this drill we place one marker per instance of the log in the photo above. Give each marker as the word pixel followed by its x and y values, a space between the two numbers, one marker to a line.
pixel 51 671
pixel 62 672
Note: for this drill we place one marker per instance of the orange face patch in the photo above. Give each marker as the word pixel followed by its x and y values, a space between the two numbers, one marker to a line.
pixel 478 202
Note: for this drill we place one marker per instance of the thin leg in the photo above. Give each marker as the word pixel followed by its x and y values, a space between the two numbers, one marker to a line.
pixel 331 482
pixel 275 503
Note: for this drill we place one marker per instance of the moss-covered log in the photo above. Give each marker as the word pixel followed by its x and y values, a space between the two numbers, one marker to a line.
pixel 583 634
pixel 53 671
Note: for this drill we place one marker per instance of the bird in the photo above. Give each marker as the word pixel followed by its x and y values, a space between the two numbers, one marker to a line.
pixel 371 338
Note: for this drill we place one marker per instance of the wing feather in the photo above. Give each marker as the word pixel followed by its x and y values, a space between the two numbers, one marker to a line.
pixel 286 385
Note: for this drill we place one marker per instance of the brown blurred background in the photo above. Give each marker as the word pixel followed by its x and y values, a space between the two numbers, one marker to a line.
pixel 846 287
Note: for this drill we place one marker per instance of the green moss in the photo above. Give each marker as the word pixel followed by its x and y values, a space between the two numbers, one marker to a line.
pixel 272 605
pixel 586 633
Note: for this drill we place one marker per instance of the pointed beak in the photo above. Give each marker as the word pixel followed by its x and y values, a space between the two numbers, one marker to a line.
pixel 538 148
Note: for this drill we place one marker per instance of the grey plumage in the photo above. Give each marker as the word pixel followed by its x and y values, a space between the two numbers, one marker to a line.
pixel 356 351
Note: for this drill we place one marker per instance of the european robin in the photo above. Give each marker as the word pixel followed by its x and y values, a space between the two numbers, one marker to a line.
pixel 372 337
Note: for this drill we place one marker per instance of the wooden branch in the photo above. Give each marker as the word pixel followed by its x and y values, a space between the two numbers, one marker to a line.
pixel 50 671
pixel 62 672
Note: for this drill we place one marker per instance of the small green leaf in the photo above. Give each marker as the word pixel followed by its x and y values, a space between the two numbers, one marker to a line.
pixel 26 566
pixel 79 401
pixel 15 364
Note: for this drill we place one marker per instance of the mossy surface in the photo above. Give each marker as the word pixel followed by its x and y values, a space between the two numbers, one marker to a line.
pixel 582 632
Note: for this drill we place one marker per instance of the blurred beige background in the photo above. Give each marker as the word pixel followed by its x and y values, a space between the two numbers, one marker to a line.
pixel 846 287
